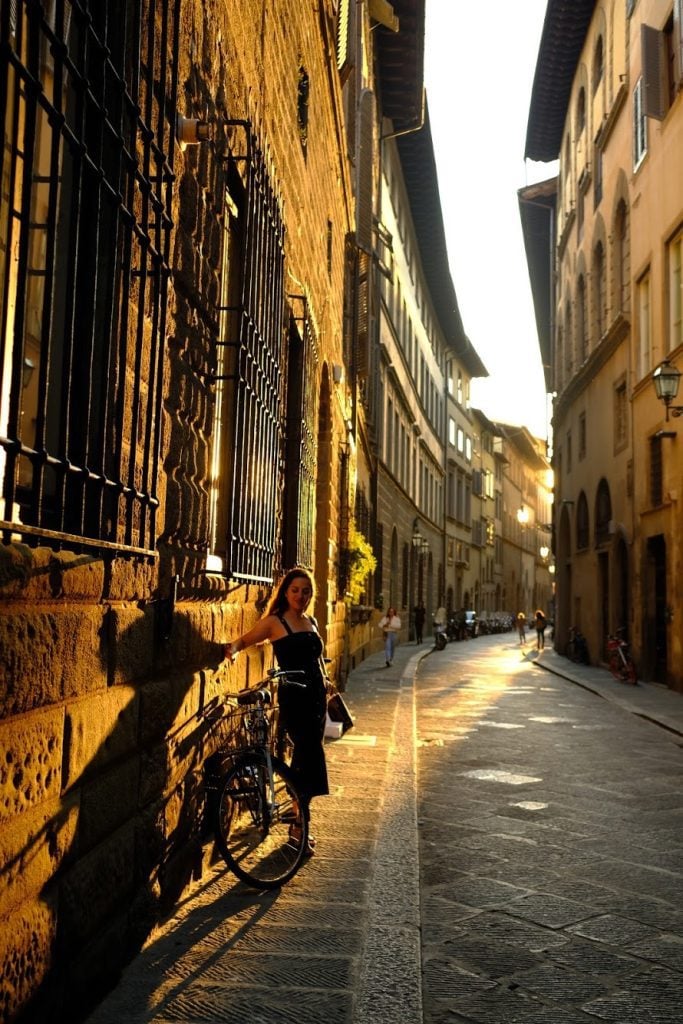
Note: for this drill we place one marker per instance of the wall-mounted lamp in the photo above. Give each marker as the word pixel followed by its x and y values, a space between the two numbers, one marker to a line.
pixel 190 131
pixel 522 515
pixel 417 536
pixel 666 379
pixel 544 551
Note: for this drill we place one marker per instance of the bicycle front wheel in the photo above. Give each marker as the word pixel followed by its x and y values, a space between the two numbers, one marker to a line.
pixel 255 815
pixel 615 667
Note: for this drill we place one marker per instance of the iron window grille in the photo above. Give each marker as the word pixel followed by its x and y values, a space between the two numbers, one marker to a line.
pixel 247 484
pixel 300 446
pixel 87 103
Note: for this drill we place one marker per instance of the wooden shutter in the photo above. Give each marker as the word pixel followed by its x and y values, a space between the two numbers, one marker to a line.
pixel 678 41
pixel 364 170
pixel 655 100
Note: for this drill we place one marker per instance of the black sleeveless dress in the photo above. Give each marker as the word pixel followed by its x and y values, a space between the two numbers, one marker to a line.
pixel 302 711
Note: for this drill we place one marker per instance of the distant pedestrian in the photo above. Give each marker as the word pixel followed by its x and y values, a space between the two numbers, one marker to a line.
pixel 419 614
pixel 540 622
pixel 521 627
pixel 391 625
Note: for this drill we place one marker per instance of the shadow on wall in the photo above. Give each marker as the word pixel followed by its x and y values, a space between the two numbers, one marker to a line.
pixel 89 868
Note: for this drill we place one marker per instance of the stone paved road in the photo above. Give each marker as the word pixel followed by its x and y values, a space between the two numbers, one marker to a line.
pixel 551 848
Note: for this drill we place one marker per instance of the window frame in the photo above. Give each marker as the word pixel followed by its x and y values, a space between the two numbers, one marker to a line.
pixel 640 135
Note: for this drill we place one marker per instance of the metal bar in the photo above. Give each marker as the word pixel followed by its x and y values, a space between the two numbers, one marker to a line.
pixel 9 529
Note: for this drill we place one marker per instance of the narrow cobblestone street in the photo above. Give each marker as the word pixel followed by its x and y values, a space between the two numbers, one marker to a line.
pixel 551 847
pixel 501 845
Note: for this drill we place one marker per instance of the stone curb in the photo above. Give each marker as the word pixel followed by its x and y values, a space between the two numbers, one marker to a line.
pixel 603 688
pixel 390 986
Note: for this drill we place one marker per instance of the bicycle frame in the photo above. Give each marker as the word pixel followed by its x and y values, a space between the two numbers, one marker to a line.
pixel 619 659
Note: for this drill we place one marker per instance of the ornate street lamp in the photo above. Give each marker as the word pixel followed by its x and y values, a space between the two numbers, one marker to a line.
pixel 666 379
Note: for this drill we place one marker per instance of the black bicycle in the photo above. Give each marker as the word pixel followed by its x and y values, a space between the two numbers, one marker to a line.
pixel 261 822
pixel 577 647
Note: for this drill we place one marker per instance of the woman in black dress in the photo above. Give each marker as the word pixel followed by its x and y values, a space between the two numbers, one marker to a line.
pixel 297 645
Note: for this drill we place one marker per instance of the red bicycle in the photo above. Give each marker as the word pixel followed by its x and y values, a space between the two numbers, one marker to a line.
pixel 620 662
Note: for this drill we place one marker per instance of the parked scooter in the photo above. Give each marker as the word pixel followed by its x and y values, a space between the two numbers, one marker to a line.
pixel 440 629
pixel 440 635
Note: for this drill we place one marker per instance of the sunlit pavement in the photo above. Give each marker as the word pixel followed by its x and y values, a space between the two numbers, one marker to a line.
pixel 339 943
pixel 547 889
pixel 551 841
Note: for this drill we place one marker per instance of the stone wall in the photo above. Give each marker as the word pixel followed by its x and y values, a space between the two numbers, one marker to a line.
pixel 104 725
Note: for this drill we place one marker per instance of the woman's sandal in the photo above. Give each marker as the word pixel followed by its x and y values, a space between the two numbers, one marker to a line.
pixel 295 836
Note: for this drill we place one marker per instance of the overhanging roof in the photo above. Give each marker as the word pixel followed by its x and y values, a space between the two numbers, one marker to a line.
pixel 416 153
pixel 537 211
pixel 400 64
pixel 526 444
pixel 564 33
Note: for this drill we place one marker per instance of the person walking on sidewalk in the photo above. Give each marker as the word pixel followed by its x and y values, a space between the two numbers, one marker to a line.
pixel 419 619
pixel 521 627
pixel 297 645
pixel 540 624
pixel 391 625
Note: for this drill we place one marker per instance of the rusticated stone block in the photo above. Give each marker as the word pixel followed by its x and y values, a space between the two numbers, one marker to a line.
pixel 131 580
pixel 99 883
pixel 132 643
pixel 77 576
pixel 107 801
pixel 98 729
pixel 26 951
pixel 17 569
pixel 31 761
pixel 33 846
pixel 166 704
pixel 48 656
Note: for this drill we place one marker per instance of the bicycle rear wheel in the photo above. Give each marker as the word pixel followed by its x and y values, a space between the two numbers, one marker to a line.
pixel 254 823
pixel 630 675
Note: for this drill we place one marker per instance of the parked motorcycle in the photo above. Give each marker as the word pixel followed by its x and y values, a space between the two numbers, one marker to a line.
pixel 440 635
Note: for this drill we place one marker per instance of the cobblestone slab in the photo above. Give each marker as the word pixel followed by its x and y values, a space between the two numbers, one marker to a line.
pixel 210 1005
pixel 591 850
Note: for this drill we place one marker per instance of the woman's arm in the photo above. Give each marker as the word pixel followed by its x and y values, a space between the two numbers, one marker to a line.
pixel 263 630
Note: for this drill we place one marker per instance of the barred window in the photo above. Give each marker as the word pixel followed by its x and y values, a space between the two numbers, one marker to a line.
pixel 247 441
pixel 89 103
pixel 300 444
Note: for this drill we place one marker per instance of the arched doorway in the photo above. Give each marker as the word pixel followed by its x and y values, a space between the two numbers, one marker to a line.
pixel 564 580
pixel 655 647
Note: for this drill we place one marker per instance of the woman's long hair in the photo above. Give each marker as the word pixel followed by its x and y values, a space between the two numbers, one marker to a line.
pixel 278 605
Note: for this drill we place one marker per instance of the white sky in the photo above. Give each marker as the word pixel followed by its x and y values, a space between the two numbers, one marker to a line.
pixel 479 68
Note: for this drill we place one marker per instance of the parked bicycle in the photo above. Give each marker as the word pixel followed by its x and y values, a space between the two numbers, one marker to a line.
pixel 577 646
pixel 261 822
pixel 620 662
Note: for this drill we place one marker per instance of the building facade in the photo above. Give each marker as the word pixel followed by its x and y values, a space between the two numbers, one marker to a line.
pixel 527 496
pixel 607 104
pixel 423 350
pixel 186 223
